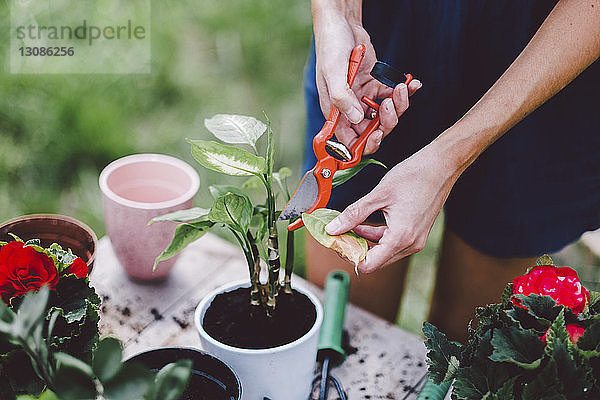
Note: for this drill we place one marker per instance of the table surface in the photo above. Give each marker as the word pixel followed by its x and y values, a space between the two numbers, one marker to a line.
pixel 386 363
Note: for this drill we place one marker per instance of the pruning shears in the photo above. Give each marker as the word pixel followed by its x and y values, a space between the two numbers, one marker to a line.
pixel 314 189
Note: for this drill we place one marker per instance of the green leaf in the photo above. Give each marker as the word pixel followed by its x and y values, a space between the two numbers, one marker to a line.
pixel 171 380
pixel 443 355
pixel 270 148
pixel 235 129
pixel 132 382
pixel 520 347
pixel 507 390
pixel 594 304
pixel 591 338
pixel 233 210
pixel 217 191
pixel 254 182
pixel 544 260
pixel 343 175
pixel 544 385
pixel 280 177
pixel 31 311
pixel 67 360
pixel 195 214
pixel 107 359
pixel 348 245
pixel 184 235
pixel 73 379
pixel 557 333
pixel 45 395
pixel 72 298
pixel 470 383
pixel 227 159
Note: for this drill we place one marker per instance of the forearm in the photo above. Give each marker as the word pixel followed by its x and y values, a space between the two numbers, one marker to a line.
pixel 351 10
pixel 567 42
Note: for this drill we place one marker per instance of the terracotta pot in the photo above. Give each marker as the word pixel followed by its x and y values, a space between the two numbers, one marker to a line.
pixel 211 378
pixel 282 372
pixel 52 228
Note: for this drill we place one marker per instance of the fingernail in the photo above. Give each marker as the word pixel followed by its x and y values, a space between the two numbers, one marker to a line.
pixel 333 227
pixel 355 116
pixel 420 86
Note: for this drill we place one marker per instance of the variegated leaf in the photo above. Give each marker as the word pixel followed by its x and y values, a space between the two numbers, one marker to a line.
pixel 235 129
pixel 227 159
pixel 348 245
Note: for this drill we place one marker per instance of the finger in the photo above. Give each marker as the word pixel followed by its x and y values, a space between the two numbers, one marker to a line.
pixel 343 97
pixel 346 134
pixel 388 116
pixel 354 214
pixel 323 94
pixel 373 142
pixel 370 232
pixel 413 86
pixel 400 97
pixel 377 257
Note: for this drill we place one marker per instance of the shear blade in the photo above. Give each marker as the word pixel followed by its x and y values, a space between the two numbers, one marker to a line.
pixel 304 197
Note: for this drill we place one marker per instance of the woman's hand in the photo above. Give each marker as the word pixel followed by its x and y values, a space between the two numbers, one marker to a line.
pixel 411 196
pixel 338 29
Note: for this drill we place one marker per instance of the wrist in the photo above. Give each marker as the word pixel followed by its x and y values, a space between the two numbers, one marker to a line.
pixel 350 10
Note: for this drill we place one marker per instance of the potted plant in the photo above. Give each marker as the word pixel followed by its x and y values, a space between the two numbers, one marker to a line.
pixel 65 231
pixel 49 346
pixel 267 332
pixel 541 342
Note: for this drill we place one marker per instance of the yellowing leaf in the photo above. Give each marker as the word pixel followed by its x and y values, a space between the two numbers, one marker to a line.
pixel 348 245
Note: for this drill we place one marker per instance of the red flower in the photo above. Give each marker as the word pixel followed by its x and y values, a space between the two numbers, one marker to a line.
pixel 574 330
pixel 560 283
pixel 78 267
pixel 23 269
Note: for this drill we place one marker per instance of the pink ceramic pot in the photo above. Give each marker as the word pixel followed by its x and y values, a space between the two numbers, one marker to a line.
pixel 136 189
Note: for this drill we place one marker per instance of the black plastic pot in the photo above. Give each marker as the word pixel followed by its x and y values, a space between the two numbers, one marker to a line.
pixel 211 378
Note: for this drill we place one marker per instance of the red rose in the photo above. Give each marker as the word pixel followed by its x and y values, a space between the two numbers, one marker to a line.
pixel 23 269
pixel 560 283
pixel 574 330
pixel 78 267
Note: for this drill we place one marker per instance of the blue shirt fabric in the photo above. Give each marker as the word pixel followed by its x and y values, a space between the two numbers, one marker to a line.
pixel 535 189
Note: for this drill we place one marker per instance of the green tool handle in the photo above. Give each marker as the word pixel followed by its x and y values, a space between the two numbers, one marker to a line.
pixel 431 391
pixel 337 287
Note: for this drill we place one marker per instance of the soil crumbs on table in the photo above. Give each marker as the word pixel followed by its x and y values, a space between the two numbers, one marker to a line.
pixel 232 320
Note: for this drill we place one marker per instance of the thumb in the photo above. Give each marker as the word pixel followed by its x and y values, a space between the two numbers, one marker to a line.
pixel 344 99
pixel 355 214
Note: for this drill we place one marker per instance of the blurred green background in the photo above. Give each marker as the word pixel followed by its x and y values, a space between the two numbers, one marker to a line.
pixel 57 132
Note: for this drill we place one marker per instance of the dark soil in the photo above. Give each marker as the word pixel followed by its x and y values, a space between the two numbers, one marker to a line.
pixel 231 320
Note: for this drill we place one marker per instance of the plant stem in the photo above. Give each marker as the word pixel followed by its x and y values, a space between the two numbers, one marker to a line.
pixel 289 263
pixel 246 245
pixel 272 250
pixel 255 274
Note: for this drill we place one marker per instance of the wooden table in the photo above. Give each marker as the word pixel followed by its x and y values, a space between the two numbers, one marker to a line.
pixel 387 362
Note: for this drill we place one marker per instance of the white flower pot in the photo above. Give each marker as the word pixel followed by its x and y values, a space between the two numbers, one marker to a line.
pixel 278 373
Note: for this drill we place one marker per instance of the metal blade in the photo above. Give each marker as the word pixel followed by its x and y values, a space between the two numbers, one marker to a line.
pixel 304 197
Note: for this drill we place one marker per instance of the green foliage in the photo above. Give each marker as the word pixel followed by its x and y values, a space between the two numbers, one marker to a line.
pixel 234 211
pixel 236 129
pixel 184 235
pixel 343 175
pixel 442 356
pixel 195 214
pixel 71 378
pixel 505 357
pixel 227 159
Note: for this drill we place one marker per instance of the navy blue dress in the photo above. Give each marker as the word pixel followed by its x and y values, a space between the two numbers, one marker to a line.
pixel 535 189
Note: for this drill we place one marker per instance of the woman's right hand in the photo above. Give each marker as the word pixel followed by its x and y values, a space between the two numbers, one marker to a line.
pixel 338 29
